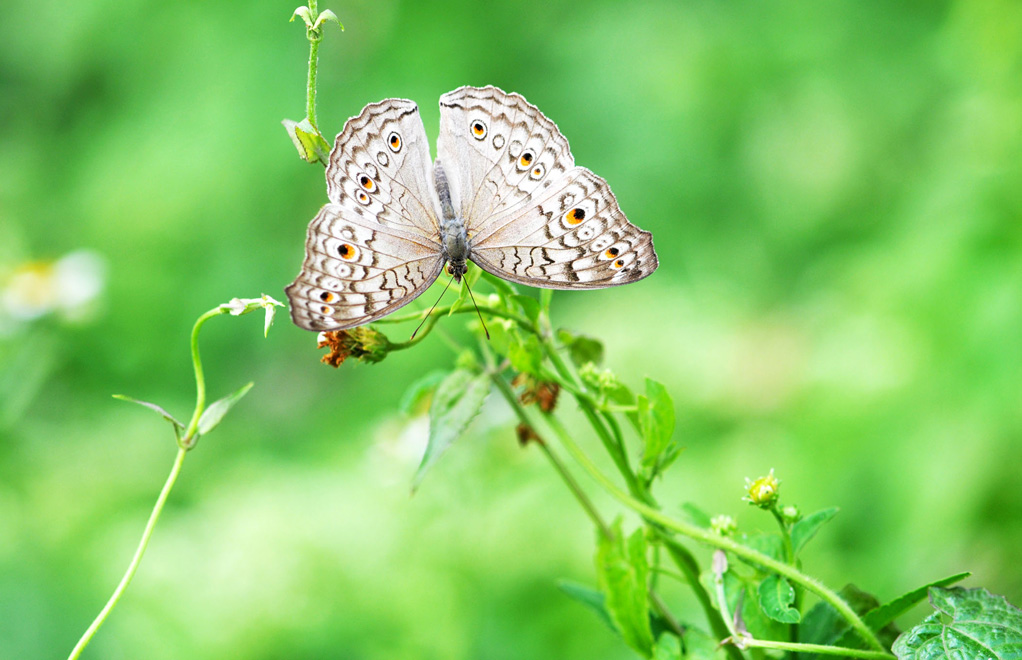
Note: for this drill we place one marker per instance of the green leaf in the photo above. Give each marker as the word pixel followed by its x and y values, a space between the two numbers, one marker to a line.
pixel 698 645
pixel 214 414
pixel 823 625
pixel 656 421
pixel 805 529
pixel 308 141
pixel 880 617
pixel 668 647
pixel 457 400
pixel 696 515
pixel 776 597
pixel 968 623
pixel 529 305
pixel 591 598
pixel 770 545
pixel 525 353
pixel 419 390
pixel 623 570
pixel 152 406
pixel 739 590
pixel 581 349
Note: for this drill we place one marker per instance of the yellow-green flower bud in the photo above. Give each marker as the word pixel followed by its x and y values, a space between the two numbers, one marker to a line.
pixel 763 492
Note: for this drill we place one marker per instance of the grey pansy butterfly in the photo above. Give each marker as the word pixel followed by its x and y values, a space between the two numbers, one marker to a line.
pixel 504 192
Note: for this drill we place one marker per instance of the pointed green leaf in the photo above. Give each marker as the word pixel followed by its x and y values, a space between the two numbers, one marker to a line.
pixel 776 597
pixel 525 352
pixel 696 515
pixel 880 617
pixel 805 529
pixel 823 625
pixel 968 623
pixel 623 570
pixel 152 406
pixel 419 390
pixel 581 349
pixel 212 415
pixel 457 400
pixel 656 420
pixel 591 598
pixel 529 305
pixel 307 140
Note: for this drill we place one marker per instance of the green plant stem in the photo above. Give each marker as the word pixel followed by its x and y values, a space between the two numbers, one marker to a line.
pixel 717 541
pixel 556 462
pixel 189 439
pixel 815 648
pixel 689 568
pixel 136 559
pixel 315 37
pixel 441 311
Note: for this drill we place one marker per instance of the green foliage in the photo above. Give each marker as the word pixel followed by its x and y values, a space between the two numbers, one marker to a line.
pixel 622 571
pixel 805 529
pixel 214 414
pixel 776 597
pixel 457 400
pixel 582 349
pixel 967 623
pixel 656 421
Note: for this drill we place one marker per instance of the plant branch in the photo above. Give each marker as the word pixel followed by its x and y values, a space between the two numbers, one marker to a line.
pixel 710 538
pixel 136 559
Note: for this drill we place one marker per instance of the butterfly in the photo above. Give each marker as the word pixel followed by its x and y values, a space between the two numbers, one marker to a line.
pixel 504 192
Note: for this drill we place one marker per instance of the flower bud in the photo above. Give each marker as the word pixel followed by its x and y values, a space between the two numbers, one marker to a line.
pixel 763 492
pixel 723 525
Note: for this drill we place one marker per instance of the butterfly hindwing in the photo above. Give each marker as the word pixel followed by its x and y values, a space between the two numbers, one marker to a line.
pixel 571 236
pixel 356 271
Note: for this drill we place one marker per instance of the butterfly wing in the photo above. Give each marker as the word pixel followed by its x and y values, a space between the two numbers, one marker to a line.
pixel 375 247
pixel 532 216
pixel 497 150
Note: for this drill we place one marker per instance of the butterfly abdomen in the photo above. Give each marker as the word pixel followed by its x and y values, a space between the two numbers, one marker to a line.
pixel 453 235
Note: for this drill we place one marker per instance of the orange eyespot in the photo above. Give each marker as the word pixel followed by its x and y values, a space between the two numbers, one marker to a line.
pixel 478 129
pixel 346 251
pixel 394 142
pixel 525 159
pixel 575 216
pixel 326 310
pixel 362 197
pixel 537 172
pixel 368 184
pixel 618 264
pixel 327 296
pixel 612 252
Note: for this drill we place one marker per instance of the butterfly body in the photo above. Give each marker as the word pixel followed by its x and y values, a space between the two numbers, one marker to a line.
pixel 504 193
pixel 453 234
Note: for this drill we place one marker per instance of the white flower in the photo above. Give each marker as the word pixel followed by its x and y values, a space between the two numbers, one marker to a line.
pixel 65 287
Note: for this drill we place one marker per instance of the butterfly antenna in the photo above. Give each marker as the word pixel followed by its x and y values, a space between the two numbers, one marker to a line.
pixel 430 312
pixel 473 297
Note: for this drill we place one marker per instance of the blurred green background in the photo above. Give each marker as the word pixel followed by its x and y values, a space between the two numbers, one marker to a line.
pixel 835 191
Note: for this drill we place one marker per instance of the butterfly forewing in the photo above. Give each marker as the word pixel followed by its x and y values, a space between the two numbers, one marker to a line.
pixel 380 168
pixel 498 150
pixel 376 246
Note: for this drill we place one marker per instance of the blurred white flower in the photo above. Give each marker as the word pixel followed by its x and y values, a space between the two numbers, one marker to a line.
pixel 65 287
